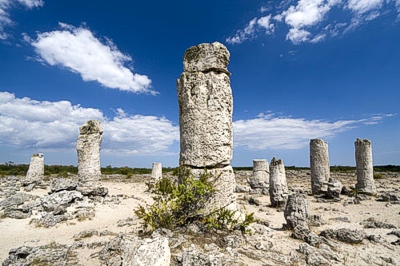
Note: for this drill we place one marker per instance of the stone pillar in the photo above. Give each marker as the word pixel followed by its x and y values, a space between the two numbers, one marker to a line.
pixel 319 164
pixel 260 176
pixel 156 171
pixel 88 148
pixel 365 170
pixel 36 167
pixel 296 212
pixel 278 190
pixel 205 116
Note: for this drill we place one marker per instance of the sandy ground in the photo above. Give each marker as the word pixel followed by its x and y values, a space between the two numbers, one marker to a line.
pixel 15 233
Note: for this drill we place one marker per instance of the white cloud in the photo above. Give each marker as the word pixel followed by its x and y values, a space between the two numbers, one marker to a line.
pixel 249 31
pixel 54 126
pixel 363 6
pixel 26 123
pixel 79 51
pixel 313 20
pixel 297 36
pixel 284 133
pixel 265 22
pixel 6 5
pixel 242 35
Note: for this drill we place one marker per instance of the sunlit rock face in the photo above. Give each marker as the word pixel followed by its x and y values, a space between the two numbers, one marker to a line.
pixel 205 107
pixel 278 189
pixel 88 148
pixel 156 171
pixel 319 164
pixel 36 167
pixel 365 170
pixel 260 177
pixel 205 115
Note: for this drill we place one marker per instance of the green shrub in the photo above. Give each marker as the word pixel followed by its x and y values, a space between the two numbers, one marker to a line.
pixel 179 203
pixel 378 176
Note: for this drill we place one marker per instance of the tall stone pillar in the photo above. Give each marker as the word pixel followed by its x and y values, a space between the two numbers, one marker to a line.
pixel 278 190
pixel 205 115
pixel 36 167
pixel 365 170
pixel 260 177
pixel 319 164
pixel 88 148
pixel 156 171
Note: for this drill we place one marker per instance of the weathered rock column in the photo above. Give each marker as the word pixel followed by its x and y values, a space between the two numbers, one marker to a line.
pixel 88 148
pixel 319 164
pixel 36 167
pixel 260 176
pixel 156 171
pixel 365 170
pixel 278 190
pixel 205 114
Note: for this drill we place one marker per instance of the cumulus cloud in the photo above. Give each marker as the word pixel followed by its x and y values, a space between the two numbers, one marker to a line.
pixel 43 125
pixel 27 123
pixel 266 131
pixel 6 5
pixel 312 20
pixel 249 31
pixel 79 51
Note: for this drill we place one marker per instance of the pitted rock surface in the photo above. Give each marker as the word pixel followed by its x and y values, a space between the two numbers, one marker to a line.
pixel 365 170
pixel 36 167
pixel 319 164
pixel 62 198
pixel 205 57
pixel 88 149
pixel 60 184
pixel 278 190
pixel 297 211
pixel 260 176
pixel 205 107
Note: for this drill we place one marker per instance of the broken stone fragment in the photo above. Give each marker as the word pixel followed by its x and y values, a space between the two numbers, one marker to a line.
pixel 297 211
pixel 345 235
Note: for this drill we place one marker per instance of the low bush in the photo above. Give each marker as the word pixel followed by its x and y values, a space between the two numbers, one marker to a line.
pixel 179 203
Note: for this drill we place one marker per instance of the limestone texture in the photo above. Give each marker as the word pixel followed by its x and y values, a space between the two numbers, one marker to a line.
pixel 260 175
pixel 365 170
pixel 156 171
pixel 297 211
pixel 36 167
pixel 205 107
pixel 278 190
pixel 88 148
pixel 319 164
pixel 205 116
pixel 225 185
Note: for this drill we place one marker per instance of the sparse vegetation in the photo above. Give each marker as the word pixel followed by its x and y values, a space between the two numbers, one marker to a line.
pixel 178 204
pixel 378 176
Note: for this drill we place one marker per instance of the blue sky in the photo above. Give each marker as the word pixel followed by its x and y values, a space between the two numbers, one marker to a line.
pixel 300 70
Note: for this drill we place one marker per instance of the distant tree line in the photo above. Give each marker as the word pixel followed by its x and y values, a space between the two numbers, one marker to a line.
pixel 10 168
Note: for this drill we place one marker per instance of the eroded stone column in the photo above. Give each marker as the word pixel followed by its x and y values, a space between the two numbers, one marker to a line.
pixel 88 148
pixel 319 164
pixel 365 170
pixel 260 176
pixel 36 167
pixel 205 115
pixel 156 171
pixel 278 190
